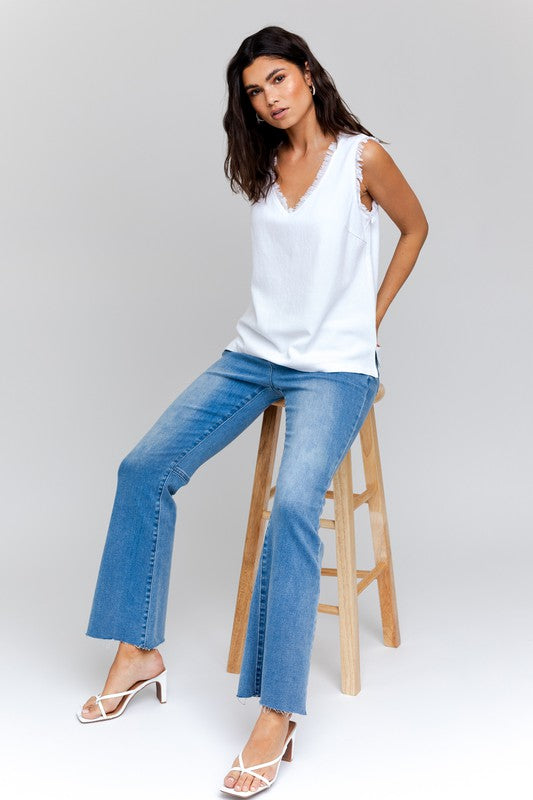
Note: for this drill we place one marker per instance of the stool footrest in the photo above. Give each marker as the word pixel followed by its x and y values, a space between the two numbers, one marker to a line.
pixel 324 522
pixel 358 497
pixel 325 609
pixel 366 575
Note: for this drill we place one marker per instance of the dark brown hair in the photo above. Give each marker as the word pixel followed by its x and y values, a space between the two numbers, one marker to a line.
pixel 251 146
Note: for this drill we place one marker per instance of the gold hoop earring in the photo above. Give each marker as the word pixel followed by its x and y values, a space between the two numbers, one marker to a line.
pixel 313 90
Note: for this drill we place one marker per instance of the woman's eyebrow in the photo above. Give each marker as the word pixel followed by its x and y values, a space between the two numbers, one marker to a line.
pixel 270 74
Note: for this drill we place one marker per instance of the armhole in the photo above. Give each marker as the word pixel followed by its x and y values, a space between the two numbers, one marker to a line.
pixel 359 174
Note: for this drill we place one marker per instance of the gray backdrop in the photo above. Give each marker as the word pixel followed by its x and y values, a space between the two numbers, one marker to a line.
pixel 125 265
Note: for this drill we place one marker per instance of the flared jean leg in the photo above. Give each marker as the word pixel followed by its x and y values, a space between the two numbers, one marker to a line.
pixel 324 412
pixel 131 594
pixel 281 627
pixel 323 417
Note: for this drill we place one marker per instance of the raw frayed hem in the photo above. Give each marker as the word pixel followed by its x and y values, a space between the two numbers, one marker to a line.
pixel 113 639
pixel 267 709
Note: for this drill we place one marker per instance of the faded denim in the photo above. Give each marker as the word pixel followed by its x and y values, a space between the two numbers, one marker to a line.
pixel 323 414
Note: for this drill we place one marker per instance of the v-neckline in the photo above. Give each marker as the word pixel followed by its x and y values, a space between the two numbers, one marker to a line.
pixel 326 161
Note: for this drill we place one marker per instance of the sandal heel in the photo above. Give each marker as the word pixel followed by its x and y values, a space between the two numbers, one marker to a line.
pixel 161 688
pixel 288 754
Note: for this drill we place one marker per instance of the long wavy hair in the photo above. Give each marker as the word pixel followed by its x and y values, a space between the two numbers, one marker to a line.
pixel 251 146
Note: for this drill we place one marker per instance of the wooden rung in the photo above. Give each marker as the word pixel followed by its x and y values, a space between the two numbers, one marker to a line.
pixel 358 497
pixel 324 522
pixel 332 572
pixel 363 497
pixel 366 575
pixel 372 575
pixel 328 609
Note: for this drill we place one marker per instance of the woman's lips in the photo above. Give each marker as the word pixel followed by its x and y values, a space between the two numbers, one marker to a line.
pixel 279 114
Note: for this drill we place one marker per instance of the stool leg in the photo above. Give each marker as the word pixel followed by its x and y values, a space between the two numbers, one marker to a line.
pixel 254 532
pixel 347 577
pixel 380 530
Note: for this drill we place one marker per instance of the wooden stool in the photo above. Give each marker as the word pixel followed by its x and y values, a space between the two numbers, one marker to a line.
pixel 345 502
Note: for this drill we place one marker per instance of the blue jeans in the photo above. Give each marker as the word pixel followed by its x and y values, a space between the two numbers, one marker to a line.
pixel 323 414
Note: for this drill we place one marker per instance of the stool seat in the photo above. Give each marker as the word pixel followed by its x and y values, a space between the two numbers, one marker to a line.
pixel 350 580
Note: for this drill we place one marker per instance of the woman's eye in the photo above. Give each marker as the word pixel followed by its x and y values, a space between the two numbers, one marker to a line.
pixel 253 92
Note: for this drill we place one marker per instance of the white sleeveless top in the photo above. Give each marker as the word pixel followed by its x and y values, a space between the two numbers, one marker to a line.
pixel 315 272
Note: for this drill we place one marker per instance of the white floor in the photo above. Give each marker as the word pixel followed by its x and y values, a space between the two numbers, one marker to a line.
pixel 446 714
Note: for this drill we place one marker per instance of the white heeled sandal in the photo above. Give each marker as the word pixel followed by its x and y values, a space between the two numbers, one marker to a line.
pixel 161 689
pixel 285 755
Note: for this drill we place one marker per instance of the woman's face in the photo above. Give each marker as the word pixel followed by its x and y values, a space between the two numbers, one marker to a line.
pixel 274 84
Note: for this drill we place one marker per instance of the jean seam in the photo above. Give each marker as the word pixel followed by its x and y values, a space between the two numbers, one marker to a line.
pixel 181 473
pixel 174 466
pixel 149 577
pixel 261 620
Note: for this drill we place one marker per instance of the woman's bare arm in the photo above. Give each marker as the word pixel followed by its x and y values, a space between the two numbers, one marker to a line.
pixel 387 185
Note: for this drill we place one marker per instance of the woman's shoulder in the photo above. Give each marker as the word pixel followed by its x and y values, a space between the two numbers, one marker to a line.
pixel 359 135
pixel 352 134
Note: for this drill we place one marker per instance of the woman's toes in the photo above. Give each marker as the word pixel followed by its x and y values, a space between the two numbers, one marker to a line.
pixel 240 783
pixel 256 783
pixel 230 779
pixel 89 710
pixel 245 784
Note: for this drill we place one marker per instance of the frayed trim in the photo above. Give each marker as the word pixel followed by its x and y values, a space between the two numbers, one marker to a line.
pixel 269 710
pixel 113 640
pixel 266 709
pixel 359 175
pixel 329 152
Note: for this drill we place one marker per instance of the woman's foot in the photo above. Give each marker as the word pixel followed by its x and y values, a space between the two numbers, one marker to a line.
pixel 265 743
pixel 131 664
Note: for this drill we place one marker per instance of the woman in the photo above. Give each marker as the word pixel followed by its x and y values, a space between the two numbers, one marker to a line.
pixel 315 178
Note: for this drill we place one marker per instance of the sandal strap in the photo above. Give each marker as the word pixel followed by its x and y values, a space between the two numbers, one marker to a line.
pixel 116 694
pixel 100 706
pixel 100 697
pixel 250 770
pixel 257 775
pixel 258 766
